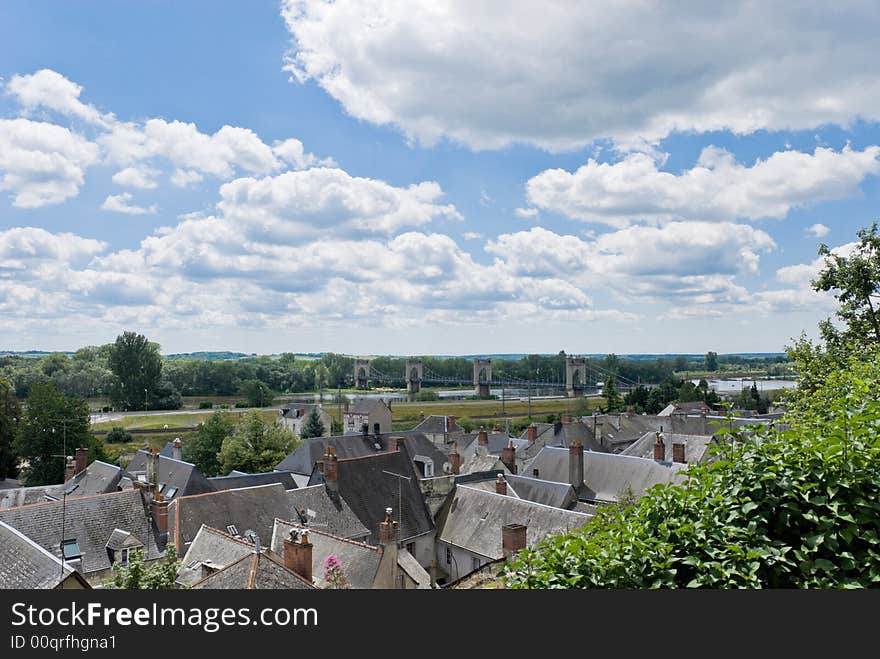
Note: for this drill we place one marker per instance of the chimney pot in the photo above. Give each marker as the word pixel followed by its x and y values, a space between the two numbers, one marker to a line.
pixel 455 459
pixel 331 469
pixel 388 529
pixel 69 468
pixel 175 449
pixel 659 447
pixel 576 464
pixel 508 457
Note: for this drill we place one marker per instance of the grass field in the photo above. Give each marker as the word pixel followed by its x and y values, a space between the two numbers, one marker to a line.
pixel 172 420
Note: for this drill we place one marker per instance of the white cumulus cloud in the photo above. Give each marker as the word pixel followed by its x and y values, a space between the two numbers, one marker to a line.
pixel 121 203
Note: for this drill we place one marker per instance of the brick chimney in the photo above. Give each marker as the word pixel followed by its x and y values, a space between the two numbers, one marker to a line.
pixel 533 434
pixel 659 447
pixel 500 485
pixel 455 459
pixel 576 463
pixel 69 468
pixel 82 459
pixel 678 452
pixel 566 418
pixel 483 437
pixel 392 443
pixel 450 419
pixel 175 449
pixel 388 529
pixel 298 554
pixel 331 469
pixel 508 457
pixel 513 539
pixel 159 512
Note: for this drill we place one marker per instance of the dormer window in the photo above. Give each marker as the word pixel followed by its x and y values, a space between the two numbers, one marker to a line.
pixel 171 492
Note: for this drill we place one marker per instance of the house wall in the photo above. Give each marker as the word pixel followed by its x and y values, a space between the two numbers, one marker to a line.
pixel 424 551
pixel 436 490
pixel 462 561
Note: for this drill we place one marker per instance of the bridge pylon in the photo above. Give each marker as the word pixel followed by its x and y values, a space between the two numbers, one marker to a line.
pixel 361 373
pixel 482 376
pixel 575 376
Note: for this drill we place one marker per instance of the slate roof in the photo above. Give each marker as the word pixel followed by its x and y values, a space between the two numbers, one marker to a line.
pixel 213 548
pixel 232 482
pixel 25 564
pixel 474 518
pixel 364 405
pixel 498 441
pixel 254 572
pixel 436 424
pixel 369 492
pixel 312 450
pixel 305 408
pixel 696 446
pixel 549 493
pixel 185 476
pixel 90 521
pixel 120 539
pixel 359 560
pixel 98 478
pixel 247 508
pixel 605 474
pixel 314 507
pixel 476 463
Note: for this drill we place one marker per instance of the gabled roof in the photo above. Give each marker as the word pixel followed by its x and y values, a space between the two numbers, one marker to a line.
pixel 365 405
pixel 549 493
pixel 315 508
pixel 121 539
pixel 696 446
pixel 606 475
pixel 289 412
pixel 184 476
pixel 436 424
pixel 211 548
pixel 312 450
pixel 498 441
pixel 90 521
pixel 25 564
pixel 231 482
pixel 247 508
pixel 369 491
pixel 254 571
pixel 98 478
pixel 359 561
pixel 474 518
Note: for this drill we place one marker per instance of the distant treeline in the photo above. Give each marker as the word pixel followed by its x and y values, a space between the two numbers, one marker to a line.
pixel 86 373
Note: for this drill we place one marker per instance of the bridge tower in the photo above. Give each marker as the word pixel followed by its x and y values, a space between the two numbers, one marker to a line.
pixel 415 372
pixel 482 376
pixel 575 376
pixel 361 373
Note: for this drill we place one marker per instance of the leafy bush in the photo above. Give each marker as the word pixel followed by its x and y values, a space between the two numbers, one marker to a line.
pixel 427 396
pixel 118 434
pixel 242 403
pixel 799 508
pixel 206 405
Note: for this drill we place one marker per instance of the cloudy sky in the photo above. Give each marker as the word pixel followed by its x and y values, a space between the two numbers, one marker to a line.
pixel 429 177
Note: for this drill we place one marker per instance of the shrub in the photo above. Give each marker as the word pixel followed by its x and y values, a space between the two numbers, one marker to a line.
pixel 118 435
pixel 206 405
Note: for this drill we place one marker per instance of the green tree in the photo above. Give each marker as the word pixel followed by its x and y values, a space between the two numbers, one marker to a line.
pixel 711 361
pixel 855 280
pixel 313 427
pixel 258 393
pixel 10 413
pixel 50 421
pixel 255 446
pixel 138 575
pixel 137 369
pixel 117 435
pixel 613 401
pixel 203 446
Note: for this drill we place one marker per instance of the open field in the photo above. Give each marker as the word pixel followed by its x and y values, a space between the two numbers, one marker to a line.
pixel 156 421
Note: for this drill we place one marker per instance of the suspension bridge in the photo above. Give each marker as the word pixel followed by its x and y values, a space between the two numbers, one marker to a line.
pixel 579 377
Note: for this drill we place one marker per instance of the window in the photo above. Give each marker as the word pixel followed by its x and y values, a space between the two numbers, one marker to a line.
pixel 232 530
pixel 411 548
pixel 191 564
pixel 475 563
pixel 161 487
pixel 123 556
pixel 171 492
pixel 70 550
pixel 448 556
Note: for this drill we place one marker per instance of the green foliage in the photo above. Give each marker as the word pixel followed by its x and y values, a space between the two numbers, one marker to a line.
pixel 203 446
pixel 205 405
pixel 10 412
pixel 50 421
pixel 427 395
pixel 794 509
pixel 467 424
pixel 117 435
pixel 613 400
pixel 855 280
pixel 137 575
pixel 255 446
pixel 137 368
pixel 711 361
pixel 313 427
pixel 258 393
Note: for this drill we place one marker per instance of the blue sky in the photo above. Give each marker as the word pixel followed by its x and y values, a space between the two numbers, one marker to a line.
pixel 428 177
